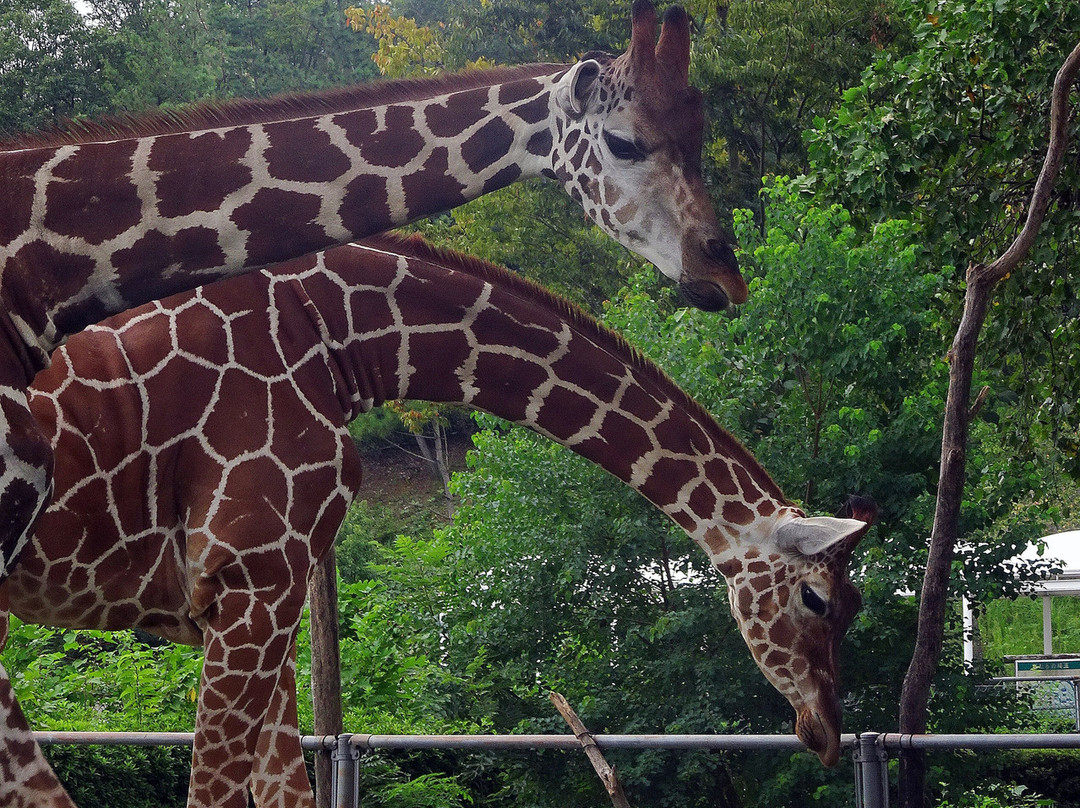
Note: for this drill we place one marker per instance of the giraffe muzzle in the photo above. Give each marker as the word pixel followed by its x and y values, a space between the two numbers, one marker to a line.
pixel 712 281
pixel 705 295
pixel 820 735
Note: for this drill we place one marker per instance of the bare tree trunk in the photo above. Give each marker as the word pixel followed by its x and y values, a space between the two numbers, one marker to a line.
pixel 325 668
pixel 981 281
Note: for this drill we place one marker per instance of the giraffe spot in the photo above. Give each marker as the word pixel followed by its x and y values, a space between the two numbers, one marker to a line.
pixel 433 188
pixel 757 567
pixel 674 474
pixel 502 178
pixel 750 491
pixel 179 397
pixel 626 213
pixel 756 632
pixel 198 172
pixel 611 192
pixel 775 658
pixel 365 208
pixel 39 277
pixel 719 474
pixel 799 666
pixel 487 145
pixel 540 143
pixel 744 600
pixel 508 383
pixel 766 508
pixel 590 367
pixel 759 583
pixel 565 413
pixel 737 513
pixel 636 399
pixel 753 552
pixel 301 152
pixel 513 91
pixel 91 195
pixel 395 145
pixel 437 358
pixel 782 633
pixel 435 297
pixel 617 446
pixel 280 224
pixel 679 433
pixel 16 203
pixel 533 111
pixel 142 267
pixel 703 500
pixel 716 542
pixel 459 112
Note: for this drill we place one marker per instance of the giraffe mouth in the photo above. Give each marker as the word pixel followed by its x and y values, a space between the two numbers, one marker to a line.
pixel 706 295
pixel 819 736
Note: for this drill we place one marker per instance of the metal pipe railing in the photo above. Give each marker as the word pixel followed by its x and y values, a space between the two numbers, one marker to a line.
pixel 870 749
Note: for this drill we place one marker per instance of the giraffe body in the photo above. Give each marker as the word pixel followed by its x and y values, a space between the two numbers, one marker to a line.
pixel 228 406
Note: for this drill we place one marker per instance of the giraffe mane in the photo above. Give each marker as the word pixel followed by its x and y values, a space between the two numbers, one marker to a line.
pixel 415 246
pixel 248 111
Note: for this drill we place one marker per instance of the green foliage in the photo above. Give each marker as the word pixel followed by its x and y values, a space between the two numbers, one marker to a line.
pixel 49 61
pixel 132 777
pixel 953 135
pixel 769 68
pixel 1012 627
pixel 94 680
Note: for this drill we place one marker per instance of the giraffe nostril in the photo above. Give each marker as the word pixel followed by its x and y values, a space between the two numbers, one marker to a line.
pixel 720 250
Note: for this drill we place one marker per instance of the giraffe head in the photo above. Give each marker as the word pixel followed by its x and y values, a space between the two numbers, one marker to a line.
pixel 793 602
pixel 630 152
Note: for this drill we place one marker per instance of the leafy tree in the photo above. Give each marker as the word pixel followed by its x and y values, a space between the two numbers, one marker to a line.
pixel 953 135
pixel 48 65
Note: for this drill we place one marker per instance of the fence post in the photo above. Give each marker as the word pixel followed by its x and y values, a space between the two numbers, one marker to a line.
pixel 345 777
pixel 871 772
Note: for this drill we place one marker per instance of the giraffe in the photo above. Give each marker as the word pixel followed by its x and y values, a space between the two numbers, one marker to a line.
pixel 105 216
pixel 228 407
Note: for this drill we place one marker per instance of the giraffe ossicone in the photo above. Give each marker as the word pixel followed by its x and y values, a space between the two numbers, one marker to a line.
pixel 204 465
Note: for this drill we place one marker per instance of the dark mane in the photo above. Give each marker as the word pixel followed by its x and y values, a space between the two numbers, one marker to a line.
pixel 247 111
pixel 611 341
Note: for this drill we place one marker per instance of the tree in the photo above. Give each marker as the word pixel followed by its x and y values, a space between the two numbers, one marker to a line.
pixel 49 61
pixel 981 281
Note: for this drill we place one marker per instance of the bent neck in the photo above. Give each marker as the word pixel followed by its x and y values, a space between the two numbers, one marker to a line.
pixel 453 329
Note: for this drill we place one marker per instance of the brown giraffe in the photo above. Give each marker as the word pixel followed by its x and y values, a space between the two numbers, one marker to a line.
pixel 112 215
pixel 228 406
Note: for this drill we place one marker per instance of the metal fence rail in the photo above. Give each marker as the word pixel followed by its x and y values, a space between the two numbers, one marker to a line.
pixel 870 749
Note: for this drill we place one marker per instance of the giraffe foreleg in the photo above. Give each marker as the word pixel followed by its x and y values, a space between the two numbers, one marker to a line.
pixel 26 778
pixel 280 778
pixel 247 642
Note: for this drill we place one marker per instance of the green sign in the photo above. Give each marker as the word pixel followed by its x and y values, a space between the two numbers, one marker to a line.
pixel 1047 667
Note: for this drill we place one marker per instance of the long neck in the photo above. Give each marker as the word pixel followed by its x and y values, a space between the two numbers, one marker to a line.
pixel 450 330
pixel 133 217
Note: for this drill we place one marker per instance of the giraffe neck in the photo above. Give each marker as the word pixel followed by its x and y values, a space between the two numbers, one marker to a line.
pixel 133 215
pixel 455 330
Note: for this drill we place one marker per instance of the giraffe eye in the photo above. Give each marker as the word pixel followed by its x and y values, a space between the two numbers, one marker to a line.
pixel 812 601
pixel 623 149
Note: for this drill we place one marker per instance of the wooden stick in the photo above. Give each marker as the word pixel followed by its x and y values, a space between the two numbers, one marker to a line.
pixel 606 772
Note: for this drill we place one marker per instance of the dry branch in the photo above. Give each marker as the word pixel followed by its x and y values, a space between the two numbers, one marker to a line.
pixel 606 772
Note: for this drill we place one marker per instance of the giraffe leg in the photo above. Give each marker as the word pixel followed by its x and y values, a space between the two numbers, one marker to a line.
pixel 26 779
pixel 280 778
pixel 247 642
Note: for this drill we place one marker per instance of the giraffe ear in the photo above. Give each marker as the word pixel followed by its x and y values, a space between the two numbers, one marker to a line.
pixel 576 92
pixel 815 534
